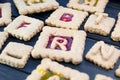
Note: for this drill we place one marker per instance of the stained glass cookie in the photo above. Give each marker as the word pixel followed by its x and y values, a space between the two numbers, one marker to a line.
pixel 99 23
pixel 50 70
pixel 102 77
pixel 88 5
pixel 5 13
pixel 35 6
pixel 60 44
pixel 15 54
pixel 3 38
pixel 115 34
pixel 66 18
pixel 24 28
pixel 103 55
pixel 117 72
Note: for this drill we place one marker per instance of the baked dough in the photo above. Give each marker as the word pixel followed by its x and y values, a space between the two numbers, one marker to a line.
pixel 67 42
pixel 29 7
pixel 103 55
pixel 5 13
pixel 15 54
pixel 24 28
pixel 91 6
pixel 59 71
pixel 66 18
pixel 99 23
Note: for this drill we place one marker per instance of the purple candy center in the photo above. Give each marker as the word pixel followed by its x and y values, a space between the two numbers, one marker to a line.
pixel 66 17
pixel 24 24
pixel 0 13
pixel 68 45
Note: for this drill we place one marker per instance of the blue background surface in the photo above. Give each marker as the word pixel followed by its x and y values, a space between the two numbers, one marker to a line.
pixel 10 73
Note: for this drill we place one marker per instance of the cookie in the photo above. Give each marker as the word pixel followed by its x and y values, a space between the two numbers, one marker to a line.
pixel 15 54
pixel 3 38
pixel 60 44
pixel 117 72
pixel 50 70
pixel 103 55
pixel 24 28
pixel 66 18
pixel 91 6
pixel 102 77
pixel 115 34
pixel 5 13
pixel 99 23
pixel 35 6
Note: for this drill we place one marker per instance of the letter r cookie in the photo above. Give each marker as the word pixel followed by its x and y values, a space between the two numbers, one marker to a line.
pixel 60 44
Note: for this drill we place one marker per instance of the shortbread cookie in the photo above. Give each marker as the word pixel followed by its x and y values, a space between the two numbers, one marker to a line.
pixel 35 6
pixel 3 38
pixel 115 34
pixel 99 23
pixel 60 44
pixel 103 55
pixel 5 13
pixel 102 77
pixel 66 18
pixel 24 27
pixel 15 54
pixel 50 70
pixel 117 72
pixel 88 5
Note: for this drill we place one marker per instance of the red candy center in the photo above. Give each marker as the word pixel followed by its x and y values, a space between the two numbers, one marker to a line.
pixel 0 13
pixel 66 17
pixel 68 45
pixel 24 24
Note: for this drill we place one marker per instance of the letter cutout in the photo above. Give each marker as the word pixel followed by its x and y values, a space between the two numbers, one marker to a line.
pixel 100 16
pixel 90 2
pixel 61 42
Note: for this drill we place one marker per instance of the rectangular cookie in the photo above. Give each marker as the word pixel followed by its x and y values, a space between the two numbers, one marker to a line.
pixel 5 13
pixel 35 6
pixel 91 6
pixel 102 77
pixel 103 55
pixel 3 38
pixel 50 70
pixel 15 54
pixel 24 28
pixel 66 18
pixel 60 44
pixel 117 72
pixel 99 23
pixel 115 34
